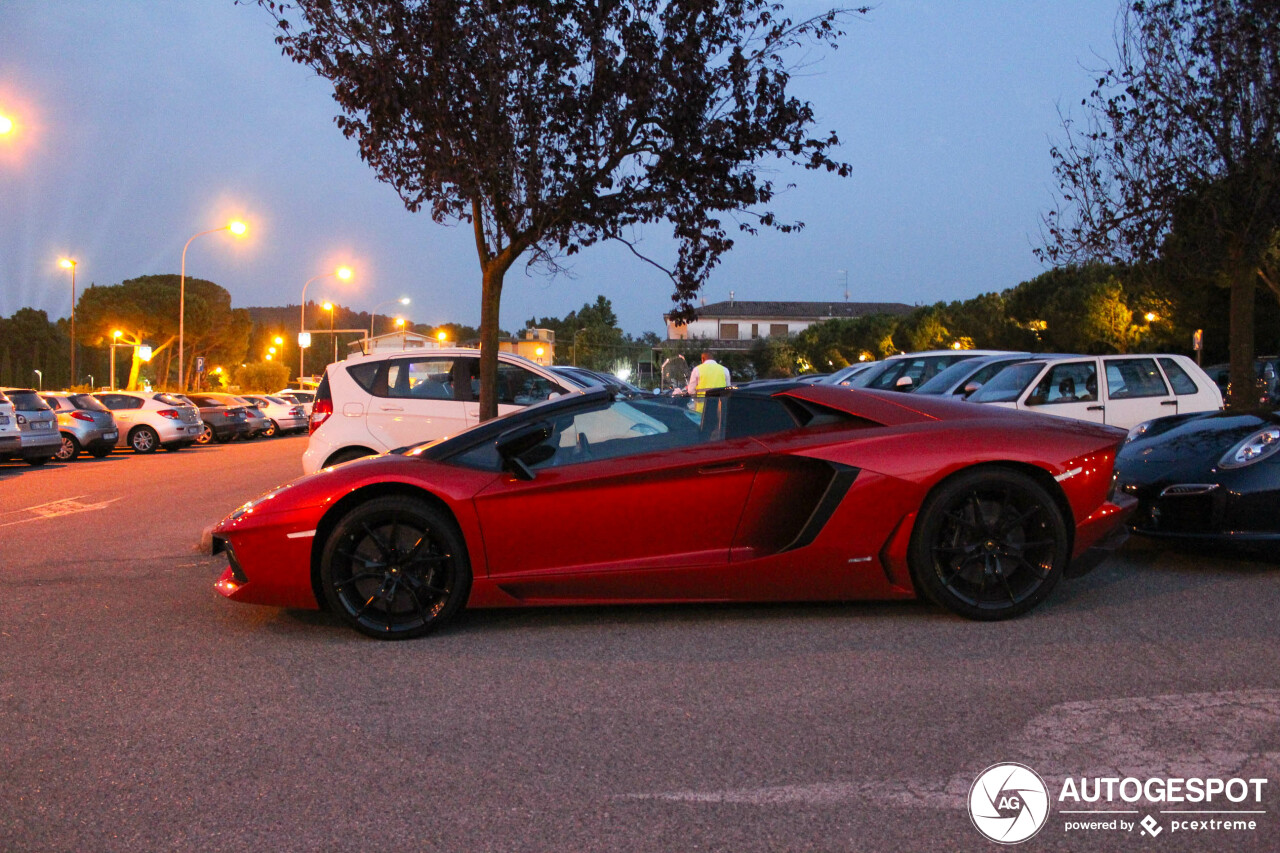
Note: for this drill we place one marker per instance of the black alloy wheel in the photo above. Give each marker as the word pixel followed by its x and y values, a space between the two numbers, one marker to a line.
pixel 69 450
pixel 144 439
pixel 395 568
pixel 989 544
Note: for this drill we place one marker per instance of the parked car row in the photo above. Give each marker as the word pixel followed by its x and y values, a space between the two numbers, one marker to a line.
pixel 1118 390
pixel 39 426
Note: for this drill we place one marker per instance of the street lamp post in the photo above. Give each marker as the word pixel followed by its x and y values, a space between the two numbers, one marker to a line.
pixel 40 376
pixel 343 273
pixel 69 264
pixel 237 228
pixel 115 342
pixel 404 300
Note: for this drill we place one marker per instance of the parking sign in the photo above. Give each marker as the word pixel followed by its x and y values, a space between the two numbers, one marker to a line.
pixel 199 364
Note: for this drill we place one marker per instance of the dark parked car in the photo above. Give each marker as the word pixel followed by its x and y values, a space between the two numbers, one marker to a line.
pixel 1211 475
pixel 222 422
pixel 1266 369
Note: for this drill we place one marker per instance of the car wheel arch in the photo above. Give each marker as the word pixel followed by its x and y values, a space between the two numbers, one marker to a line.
pixel 348 454
pixel 348 502
pixel 1042 478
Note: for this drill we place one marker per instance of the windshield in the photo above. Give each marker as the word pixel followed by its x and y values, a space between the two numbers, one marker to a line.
pixel 1007 385
pixel 27 401
pixel 171 400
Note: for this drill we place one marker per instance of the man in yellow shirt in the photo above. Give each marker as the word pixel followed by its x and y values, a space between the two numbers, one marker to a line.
pixel 708 374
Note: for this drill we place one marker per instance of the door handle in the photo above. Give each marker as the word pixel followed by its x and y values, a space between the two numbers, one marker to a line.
pixel 1169 403
pixel 721 468
pixel 1096 408
pixel 391 408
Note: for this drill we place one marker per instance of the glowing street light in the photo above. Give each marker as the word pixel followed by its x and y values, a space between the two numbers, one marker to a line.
pixel 1151 316
pixel 404 300
pixel 69 264
pixel 442 336
pixel 6 125
pixel 343 273
pixel 237 228
pixel 279 341
pixel 271 350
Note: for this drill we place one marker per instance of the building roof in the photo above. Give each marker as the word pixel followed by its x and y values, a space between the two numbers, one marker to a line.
pixel 798 310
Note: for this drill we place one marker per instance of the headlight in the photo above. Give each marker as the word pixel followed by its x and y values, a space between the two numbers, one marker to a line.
pixel 1138 431
pixel 1258 446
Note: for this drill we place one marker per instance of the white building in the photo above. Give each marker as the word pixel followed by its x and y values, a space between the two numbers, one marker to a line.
pixel 736 324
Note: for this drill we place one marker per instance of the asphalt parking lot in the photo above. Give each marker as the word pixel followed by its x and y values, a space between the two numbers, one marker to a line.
pixel 140 711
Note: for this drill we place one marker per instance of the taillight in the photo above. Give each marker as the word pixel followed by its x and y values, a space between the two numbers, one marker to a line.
pixel 171 414
pixel 297 412
pixel 22 419
pixel 319 414
pixel 82 416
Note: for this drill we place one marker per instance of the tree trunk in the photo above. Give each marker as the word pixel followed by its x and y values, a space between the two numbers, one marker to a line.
pixel 1244 393
pixel 490 302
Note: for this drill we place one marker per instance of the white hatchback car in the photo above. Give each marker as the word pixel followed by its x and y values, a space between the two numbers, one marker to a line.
pixel 1135 388
pixel 151 420
pixel 370 404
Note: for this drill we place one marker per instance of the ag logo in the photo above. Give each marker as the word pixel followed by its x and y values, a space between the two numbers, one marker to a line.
pixel 1008 803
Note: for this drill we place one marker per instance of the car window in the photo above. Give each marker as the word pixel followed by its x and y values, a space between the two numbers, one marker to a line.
pixel 520 387
pixel 1131 378
pixel 27 401
pixel 87 402
pixel 170 399
pixel 364 374
pixel 1181 381
pixel 1073 382
pixel 749 416
pixel 1007 385
pixel 430 378
pixel 52 402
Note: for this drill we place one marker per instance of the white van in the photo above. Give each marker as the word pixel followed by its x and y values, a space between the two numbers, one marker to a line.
pixel 369 404
pixel 1133 388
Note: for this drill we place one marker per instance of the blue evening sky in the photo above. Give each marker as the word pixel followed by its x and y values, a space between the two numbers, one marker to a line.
pixel 142 122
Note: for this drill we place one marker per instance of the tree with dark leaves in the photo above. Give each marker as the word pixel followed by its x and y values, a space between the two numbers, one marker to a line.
pixel 1180 158
pixel 551 125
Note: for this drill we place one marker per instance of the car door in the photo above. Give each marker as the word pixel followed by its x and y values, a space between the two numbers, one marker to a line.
pixel 1068 389
pixel 634 499
pixel 125 408
pixel 418 402
pixel 1136 391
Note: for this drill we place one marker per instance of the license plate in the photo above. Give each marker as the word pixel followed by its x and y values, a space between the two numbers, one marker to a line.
pixel 41 424
pixel 110 436
pixel 192 430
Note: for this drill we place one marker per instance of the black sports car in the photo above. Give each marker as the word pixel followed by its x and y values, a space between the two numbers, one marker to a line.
pixel 1213 475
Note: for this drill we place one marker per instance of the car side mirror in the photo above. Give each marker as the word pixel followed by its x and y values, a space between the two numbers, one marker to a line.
pixel 516 442
pixel 971 387
pixel 904 382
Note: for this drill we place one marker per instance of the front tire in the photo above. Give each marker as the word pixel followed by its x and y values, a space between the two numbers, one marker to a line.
pixel 144 439
pixel 395 568
pixel 69 450
pixel 989 544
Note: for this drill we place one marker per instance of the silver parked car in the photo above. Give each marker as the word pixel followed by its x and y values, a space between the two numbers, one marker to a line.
pixel 285 416
pixel 150 420
pixel 259 424
pixel 84 424
pixel 10 438
pixel 37 426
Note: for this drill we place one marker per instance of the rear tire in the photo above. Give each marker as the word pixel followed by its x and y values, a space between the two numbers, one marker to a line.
pixel 101 452
pixel 37 461
pixel 395 568
pixel 69 450
pixel 206 435
pixel 272 430
pixel 144 439
pixel 989 544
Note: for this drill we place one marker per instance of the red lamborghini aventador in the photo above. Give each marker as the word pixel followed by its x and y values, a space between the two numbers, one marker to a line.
pixel 804 494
